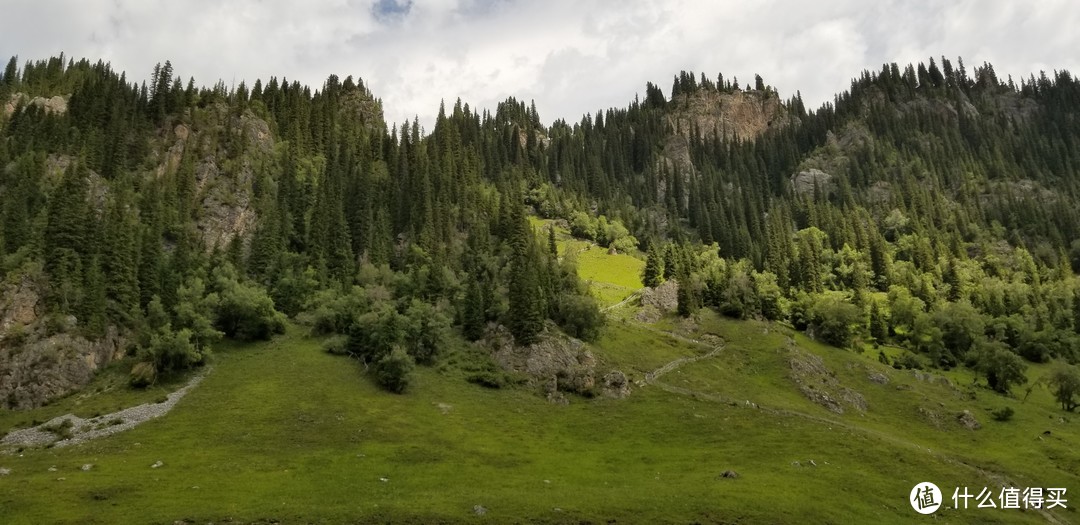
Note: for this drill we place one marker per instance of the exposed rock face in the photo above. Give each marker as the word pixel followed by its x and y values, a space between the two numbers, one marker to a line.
pixel 804 182
pixel 20 306
pixel 52 105
pixel 36 372
pixel 737 114
pixel 742 115
pixel 35 368
pixel 664 298
pixel 224 185
pixel 228 212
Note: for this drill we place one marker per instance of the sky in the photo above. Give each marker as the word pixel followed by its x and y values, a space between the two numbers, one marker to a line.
pixel 571 56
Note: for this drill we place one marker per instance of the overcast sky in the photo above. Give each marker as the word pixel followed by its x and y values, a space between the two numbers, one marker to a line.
pixel 570 56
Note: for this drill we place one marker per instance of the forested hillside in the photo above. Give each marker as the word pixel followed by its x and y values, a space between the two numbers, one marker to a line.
pixel 927 207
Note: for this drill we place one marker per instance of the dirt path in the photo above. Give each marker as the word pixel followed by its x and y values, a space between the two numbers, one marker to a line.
pixel 631 297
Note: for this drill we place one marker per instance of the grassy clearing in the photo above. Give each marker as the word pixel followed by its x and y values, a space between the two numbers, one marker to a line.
pixel 611 277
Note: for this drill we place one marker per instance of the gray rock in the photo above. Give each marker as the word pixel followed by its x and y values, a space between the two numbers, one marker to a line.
pixel 87 467
pixel 5 471
pixel 968 421
pixel 157 464
pixel 479 510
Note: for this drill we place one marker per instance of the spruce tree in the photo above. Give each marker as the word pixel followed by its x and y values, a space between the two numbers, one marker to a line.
pixel 653 274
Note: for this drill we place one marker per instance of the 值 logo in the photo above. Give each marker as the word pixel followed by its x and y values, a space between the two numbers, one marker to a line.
pixel 925 498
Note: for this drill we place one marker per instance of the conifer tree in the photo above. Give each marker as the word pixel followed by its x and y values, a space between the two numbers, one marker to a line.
pixel 653 274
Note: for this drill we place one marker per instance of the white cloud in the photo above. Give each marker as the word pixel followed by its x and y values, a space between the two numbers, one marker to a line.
pixel 572 57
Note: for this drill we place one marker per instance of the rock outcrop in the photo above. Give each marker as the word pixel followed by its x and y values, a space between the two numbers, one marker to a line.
pixel 37 366
pixel 557 362
pixel 55 105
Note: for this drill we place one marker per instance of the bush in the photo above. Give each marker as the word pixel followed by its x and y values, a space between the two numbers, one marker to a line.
pixel 426 329
pixel 487 379
pixel 907 361
pixel 1003 414
pixel 143 374
pixel 834 321
pixel 579 316
pixel 1066 384
pixel 393 371
pixel 63 429
pixel 246 312
pixel 1001 367
pixel 336 345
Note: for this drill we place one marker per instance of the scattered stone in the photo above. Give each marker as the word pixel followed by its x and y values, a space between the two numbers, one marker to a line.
pixel 548 481
pixel 877 378
pixel 648 315
pixel 556 509
pixel 796 464
pixel 479 510
pixel 61 479
pixel 83 430
pixel 52 468
pixel 812 463
pixel 157 464
pixel 968 421
pixel 5 471
pixel 616 385
pixel 87 467
pixel 557 398
pixel 728 474
pixel 444 408
pixel 819 384
pixel 384 480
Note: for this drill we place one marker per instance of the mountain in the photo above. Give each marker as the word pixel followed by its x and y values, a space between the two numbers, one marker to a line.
pixel 925 207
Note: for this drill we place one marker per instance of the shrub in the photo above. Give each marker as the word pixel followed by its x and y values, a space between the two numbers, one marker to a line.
pixel 1003 414
pixel 393 371
pixel 487 379
pixel 247 313
pixel 336 345
pixel 834 321
pixel 579 316
pixel 1001 367
pixel 143 374
pixel 906 361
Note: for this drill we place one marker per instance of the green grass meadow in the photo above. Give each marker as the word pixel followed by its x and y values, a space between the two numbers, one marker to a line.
pixel 282 432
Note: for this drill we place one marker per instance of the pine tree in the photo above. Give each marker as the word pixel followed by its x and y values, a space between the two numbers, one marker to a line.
pixel 879 328
pixel 474 312
pixel 66 237
pixel 653 274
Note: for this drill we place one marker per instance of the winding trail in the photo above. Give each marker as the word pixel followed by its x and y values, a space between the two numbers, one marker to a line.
pixel 634 295
pixel 652 378
pixel 83 430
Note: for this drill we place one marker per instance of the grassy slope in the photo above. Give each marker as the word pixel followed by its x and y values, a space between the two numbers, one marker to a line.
pixel 282 431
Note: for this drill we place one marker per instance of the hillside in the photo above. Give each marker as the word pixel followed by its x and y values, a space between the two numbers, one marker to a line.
pixel 282 432
pixel 696 250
